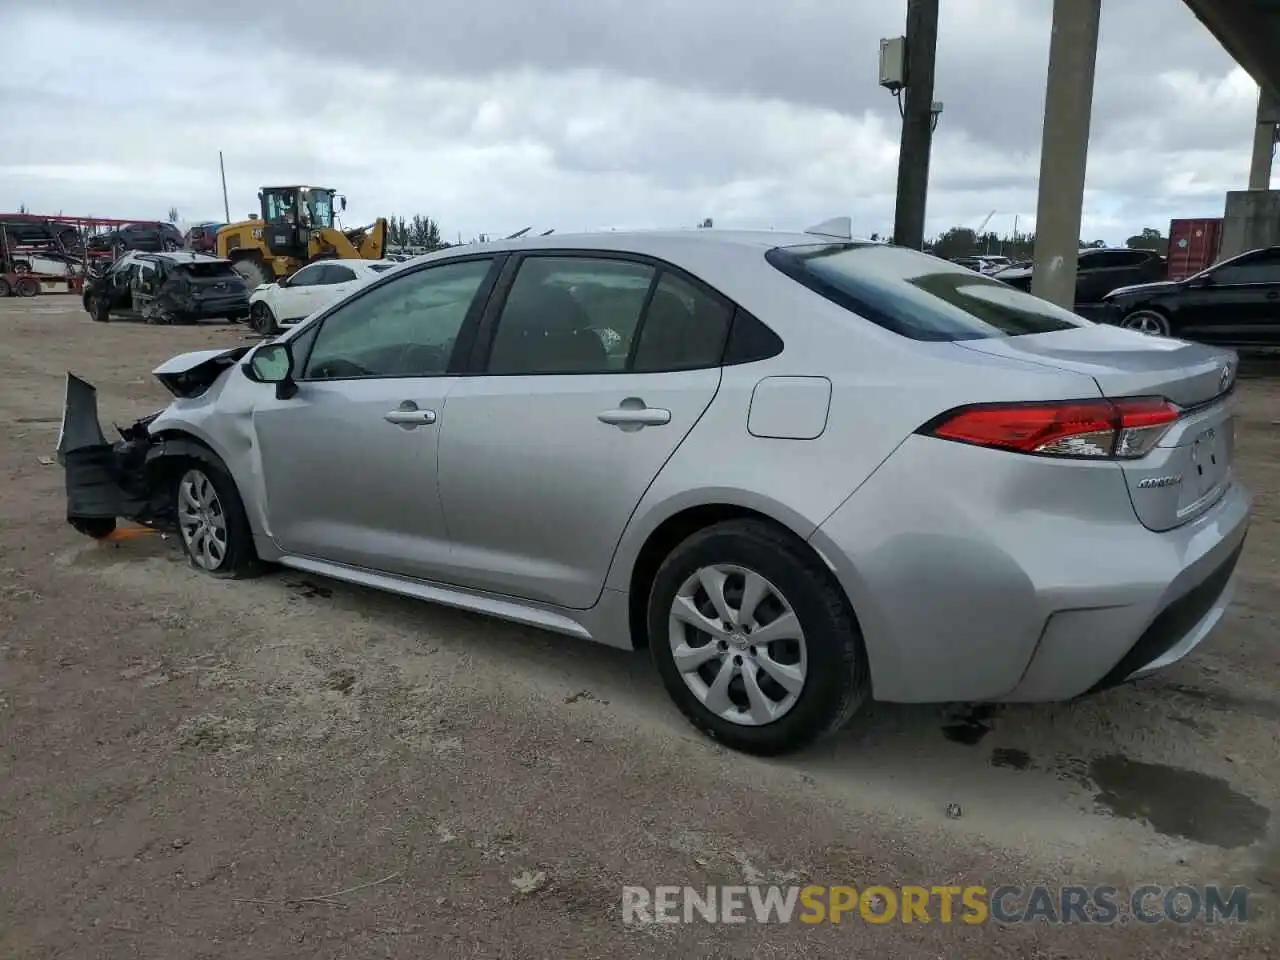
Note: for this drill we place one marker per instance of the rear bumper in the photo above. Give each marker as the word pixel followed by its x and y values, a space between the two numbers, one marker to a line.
pixel 228 307
pixel 975 581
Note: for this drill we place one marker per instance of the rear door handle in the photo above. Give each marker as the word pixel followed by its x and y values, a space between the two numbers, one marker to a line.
pixel 409 416
pixel 634 414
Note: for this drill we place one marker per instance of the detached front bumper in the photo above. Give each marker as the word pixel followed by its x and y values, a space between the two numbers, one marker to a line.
pixel 104 480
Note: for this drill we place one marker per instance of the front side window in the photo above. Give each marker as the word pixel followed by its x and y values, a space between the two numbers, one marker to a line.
pixel 408 327
pixel 1262 266
pixel 308 276
pixel 916 295
pixel 570 315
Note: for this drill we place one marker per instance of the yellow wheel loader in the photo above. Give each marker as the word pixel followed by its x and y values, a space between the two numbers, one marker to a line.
pixel 296 227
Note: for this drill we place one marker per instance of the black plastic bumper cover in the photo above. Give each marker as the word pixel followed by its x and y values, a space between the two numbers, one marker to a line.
pixel 107 480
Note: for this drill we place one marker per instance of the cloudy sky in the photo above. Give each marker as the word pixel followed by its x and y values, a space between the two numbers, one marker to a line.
pixel 491 115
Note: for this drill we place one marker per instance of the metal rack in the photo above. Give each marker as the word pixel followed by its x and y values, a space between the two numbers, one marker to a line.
pixel 19 275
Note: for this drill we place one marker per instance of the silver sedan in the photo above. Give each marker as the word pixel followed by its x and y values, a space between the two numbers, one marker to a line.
pixel 801 470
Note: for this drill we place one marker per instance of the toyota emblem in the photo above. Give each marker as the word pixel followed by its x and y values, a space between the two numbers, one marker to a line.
pixel 1224 379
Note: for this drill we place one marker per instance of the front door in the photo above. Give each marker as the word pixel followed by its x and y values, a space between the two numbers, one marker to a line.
pixel 349 461
pixel 1236 302
pixel 297 298
pixel 598 368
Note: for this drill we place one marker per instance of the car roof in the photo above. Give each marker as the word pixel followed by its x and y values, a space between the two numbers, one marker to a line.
pixel 657 243
pixel 176 256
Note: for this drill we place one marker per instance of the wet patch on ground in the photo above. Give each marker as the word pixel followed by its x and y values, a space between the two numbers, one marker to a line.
pixel 1177 802
pixel 969 724
pixel 1010 758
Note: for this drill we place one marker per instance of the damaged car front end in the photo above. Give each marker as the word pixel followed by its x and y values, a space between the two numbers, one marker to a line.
pixel 132 477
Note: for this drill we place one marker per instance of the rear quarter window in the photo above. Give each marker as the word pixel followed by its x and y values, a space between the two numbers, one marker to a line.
pixel 916 295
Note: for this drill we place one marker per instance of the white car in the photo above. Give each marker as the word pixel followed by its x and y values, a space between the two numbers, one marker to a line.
pixel 294 298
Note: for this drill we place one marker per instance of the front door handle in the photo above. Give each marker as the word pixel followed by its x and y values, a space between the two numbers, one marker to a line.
pixel 409 416
pixel 632 414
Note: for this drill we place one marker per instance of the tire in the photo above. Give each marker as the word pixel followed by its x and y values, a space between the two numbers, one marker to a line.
pixel 1151 322
pixel 95 527
pixel 832 671
pixel 262 320
pixel 27 287
pixel 98 309
pixel 5 289
pixel 217 507
pixel 254 271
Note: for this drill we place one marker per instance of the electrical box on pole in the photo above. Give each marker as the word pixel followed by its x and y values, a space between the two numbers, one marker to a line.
pixel 893 63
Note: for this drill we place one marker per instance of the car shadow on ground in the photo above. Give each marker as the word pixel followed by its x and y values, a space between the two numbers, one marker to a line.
pixel 1150 752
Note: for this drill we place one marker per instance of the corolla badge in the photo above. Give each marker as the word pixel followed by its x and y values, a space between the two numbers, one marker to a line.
pixel 1225 378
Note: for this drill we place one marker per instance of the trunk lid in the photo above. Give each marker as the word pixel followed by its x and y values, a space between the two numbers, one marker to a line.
pixel 1191 467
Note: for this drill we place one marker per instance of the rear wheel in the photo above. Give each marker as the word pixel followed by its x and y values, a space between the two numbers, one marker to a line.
pixel 5 289
pixel 26 287
pixel 212 523
pixel 254 271
pixel 754 640
pixel 1147 321
pixel 262 320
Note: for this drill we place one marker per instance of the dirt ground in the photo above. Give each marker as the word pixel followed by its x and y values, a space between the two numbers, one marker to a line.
pixel 180 756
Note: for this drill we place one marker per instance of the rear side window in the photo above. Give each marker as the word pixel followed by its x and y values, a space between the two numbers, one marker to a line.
pixel 684 328
pixel 916 295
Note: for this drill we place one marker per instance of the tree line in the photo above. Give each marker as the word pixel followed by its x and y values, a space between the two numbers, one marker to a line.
pixel 966 242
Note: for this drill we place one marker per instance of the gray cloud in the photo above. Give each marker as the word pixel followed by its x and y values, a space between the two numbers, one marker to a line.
pixel 600 110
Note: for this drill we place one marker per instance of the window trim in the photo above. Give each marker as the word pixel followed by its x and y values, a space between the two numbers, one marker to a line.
pixel 320 267
pixel 466 333
pixel 334 267
pixel 478 361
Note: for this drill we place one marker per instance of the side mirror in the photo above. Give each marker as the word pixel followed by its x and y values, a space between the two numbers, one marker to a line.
pixel 273 363
pixel 343 201
pixel 282 282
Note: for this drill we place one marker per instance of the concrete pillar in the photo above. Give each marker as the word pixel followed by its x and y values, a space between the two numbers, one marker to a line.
pixel 1064 148
pixel 1264 137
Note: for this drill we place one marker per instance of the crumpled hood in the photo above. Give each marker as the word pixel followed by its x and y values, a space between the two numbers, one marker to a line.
pixel 191 374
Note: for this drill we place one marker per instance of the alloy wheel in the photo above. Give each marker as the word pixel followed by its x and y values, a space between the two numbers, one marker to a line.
pixel 202 520
pixel 1144 321
pixel 738 644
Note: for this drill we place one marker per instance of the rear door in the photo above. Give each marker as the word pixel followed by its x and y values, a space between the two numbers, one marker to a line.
pixel 590 371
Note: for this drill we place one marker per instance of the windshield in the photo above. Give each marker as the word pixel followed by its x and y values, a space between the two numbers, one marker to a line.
pixel 916 295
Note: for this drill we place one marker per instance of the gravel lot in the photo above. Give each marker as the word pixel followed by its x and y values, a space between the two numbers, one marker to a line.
pixel 172 746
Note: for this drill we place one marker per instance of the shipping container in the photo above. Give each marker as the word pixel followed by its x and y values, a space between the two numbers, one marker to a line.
pixel 1193 246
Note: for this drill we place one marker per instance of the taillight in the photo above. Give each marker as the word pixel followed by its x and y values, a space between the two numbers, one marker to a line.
pixel 1101 429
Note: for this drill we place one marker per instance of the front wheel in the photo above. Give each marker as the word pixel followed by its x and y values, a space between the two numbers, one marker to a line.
pixel 27 286
pixel 212 523
pixel 98 309
pixel 754 640
pixel 1147 321
pixel 262 320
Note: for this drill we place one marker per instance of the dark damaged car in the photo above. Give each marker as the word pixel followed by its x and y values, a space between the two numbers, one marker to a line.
pixel 167 288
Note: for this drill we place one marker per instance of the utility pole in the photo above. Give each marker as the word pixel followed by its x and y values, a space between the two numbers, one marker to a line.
pixel 917 124
pixel 226 208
